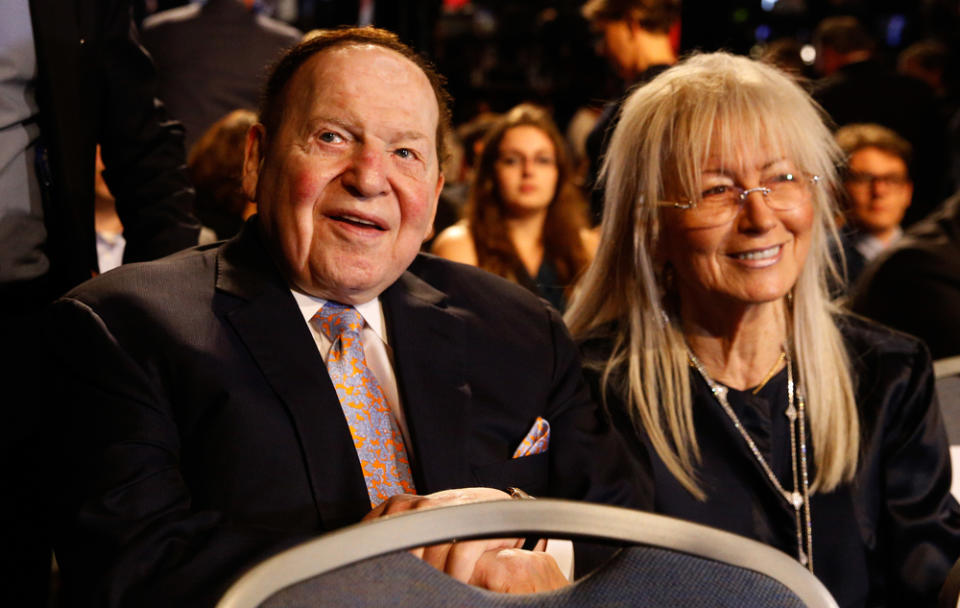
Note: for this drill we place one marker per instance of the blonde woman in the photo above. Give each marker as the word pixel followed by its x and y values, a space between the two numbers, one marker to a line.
pixel 705 320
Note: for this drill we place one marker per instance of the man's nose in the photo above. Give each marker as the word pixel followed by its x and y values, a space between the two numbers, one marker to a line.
pixel 366 176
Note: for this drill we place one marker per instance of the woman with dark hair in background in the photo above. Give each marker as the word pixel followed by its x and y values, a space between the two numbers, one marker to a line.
pixel 764 408
pixel 526 218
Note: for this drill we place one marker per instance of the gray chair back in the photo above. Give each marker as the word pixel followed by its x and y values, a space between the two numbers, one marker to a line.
pixel 676 563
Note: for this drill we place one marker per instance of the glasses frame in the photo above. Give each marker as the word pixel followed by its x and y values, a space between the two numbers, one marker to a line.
pixel 868 180
pixel 744 193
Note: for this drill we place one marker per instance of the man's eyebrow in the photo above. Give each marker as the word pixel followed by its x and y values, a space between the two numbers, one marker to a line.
pixel 408 135
pixel 316 121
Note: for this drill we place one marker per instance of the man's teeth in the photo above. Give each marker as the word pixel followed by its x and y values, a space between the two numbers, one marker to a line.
pixel 357 220
pixel 758 255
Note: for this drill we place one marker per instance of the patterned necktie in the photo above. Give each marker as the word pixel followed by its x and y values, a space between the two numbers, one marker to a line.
pixel 375 433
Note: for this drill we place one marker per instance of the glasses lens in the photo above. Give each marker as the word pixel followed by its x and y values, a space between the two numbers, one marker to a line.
pixel 786 191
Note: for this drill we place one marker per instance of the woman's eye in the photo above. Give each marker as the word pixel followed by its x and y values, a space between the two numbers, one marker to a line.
pixel 782 178
pixel 545 160
pixel 508 160
pixel 716 191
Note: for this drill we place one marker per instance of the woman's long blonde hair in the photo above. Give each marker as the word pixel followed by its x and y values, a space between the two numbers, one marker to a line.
pixel 711 102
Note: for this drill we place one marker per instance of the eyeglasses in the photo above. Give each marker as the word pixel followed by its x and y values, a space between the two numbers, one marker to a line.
pixel 721 204
pixel 890 180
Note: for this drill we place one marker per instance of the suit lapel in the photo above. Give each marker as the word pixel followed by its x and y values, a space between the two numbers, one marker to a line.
pixel 270 325
pixel 427 339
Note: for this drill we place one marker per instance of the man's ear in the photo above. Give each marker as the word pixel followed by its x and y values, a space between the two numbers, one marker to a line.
pixel 436 203
pixel 253 153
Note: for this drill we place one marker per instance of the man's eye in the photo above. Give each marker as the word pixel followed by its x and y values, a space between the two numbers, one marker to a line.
pixel 329 137
pixel 405 153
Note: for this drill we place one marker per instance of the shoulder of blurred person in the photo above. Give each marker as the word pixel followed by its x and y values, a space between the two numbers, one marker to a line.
pixel 915 285
pixel 868 92
pixel 211 58
pixel 456 244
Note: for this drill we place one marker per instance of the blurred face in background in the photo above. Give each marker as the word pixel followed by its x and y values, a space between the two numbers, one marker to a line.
pixel 526 170
pixel 879 191
pixel 617 45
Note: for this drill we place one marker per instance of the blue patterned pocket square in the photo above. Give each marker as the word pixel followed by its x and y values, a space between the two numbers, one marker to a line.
pixel 536 441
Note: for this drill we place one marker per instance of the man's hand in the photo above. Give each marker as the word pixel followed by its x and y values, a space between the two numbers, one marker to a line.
pixel 497 564
pixel 517 571
pixel 410 502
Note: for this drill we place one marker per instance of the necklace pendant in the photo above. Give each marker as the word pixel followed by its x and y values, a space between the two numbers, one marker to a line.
pixel 720 392
pixel 791 413
pixel 794 498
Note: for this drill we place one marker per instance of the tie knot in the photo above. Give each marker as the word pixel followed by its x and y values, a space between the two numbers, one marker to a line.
pixel 338 319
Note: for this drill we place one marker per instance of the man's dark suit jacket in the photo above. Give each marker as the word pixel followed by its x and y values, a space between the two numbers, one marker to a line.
pixel 203 432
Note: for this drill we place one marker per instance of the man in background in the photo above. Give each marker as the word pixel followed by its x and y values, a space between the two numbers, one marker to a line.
pixel 878 191
pixel 636 39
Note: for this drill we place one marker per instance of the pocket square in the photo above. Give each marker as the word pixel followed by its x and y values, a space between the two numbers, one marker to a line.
pixel 536 441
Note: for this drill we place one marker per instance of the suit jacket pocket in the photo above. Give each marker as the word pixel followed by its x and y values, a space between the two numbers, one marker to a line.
pixel 529 473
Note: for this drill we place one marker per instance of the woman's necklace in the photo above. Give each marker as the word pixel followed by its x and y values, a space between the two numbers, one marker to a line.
pixel 799 498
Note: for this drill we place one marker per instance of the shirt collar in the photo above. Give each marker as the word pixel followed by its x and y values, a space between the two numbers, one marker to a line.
pixel 371 311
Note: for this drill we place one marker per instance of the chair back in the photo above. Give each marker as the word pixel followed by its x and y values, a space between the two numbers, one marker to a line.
pixel 676 563
pixel 947 374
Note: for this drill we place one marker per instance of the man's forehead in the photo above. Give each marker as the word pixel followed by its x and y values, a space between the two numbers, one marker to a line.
pixel 349 62
pixel 359 69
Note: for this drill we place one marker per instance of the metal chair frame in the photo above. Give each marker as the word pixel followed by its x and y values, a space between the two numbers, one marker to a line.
pixel 544 517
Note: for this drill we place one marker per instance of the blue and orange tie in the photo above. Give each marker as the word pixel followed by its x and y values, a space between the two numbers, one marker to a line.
pixel 376 436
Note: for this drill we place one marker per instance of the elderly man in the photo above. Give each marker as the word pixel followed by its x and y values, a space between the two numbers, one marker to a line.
pixel 226 403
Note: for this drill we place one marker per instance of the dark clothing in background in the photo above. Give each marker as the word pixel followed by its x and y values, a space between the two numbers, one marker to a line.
pixel 914 286
pixel 599 139
pixel 888 538
pixel 213 58
pixel 205 433
pixel 94 85
pixel 867 92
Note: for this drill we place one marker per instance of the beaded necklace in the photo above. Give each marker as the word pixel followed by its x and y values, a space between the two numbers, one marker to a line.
pixel 799 498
